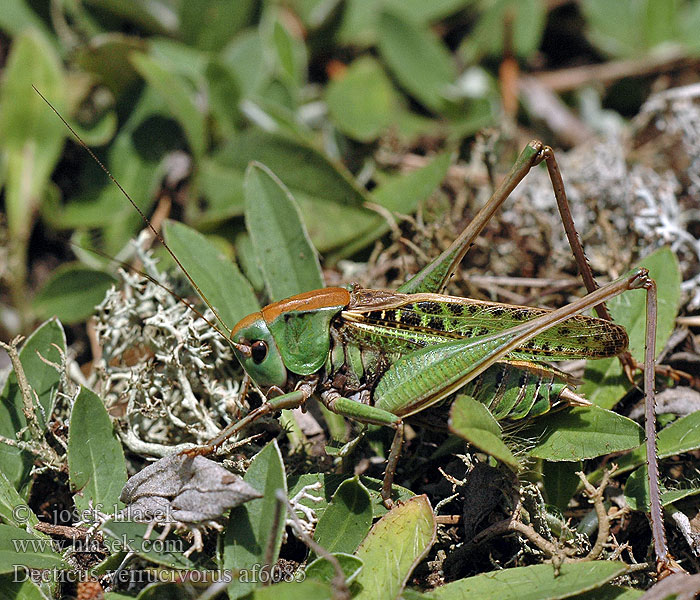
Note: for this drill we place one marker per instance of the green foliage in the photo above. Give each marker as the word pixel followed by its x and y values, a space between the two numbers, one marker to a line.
pixel 471 420
pixel 393 548
pixel 604 382
pixel 582 432
pixel 72 293
pixel 536 582
pixel 253 526
pixel 43 379
pixel 282 142
pixel 95 457
pixel 347 519
pixel 288 260
pixel 217 276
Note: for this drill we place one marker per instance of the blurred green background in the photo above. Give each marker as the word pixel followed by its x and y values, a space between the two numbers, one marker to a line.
pixel 178 96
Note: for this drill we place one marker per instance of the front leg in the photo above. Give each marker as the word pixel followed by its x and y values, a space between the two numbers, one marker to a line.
pixel 286 401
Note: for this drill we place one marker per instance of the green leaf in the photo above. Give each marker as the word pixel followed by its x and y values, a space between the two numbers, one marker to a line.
pixel 96 464
pixel 107 56
pixel 72 292
pixel 329 484
pixel 560 482
pixel 582 432
pixel 637 491
pixel 528 18
pixel 250 527
pixel 31 136
pixel 178 96
pixel 472 421
pixel 362 101
pixel 18 547
pixel 402 194
pixel 604 378
pixel 44 380
pixel 604 382
pixel 246 58
pixel 134 158
pixel 209 25
pixel 287 258
pixel 304 590
pixel 124 536
pixel 347 519
pixel 536 582
pixel 680 436
pixel 219 280
pixel 325 191
pixel 323 570
pixel 393 548
pixel 13 509
pixel 417 58
pixel 16 587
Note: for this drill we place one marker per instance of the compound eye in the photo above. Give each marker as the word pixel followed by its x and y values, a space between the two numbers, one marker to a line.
pixel 258 351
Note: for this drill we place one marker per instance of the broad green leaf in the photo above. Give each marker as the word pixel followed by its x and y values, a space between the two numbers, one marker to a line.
pixel 246 58
pixel 31 137
pixel 19 587
pixel 528 18
pixel 324 191
pixel 360 17
pixel 347 519
pixel 108 57
pixel 287 258
pixel 209 25
pixel 472 421
pixel 680 436
pixel 560 482
pixel 536 582
pixel 289 52
pixel 582 432
pixel 124 536
pixel 604 382
pixel 401 194
pixel 630 28
pixel 72 292
pixel 250 527
pixel 362 101
pixel 323 570
pixel 637 491
pixel 179 98
pixel 245 253
pixel 13 509
pixel 222 187
pixel 331 482
pixel 393 547
pixel 134 158
pixel 18 547
pixel 148 16
pixel 604 378
pixel 44 380
pixel 417 58
pixel 219 280
pixel 96 464
pixel 224 98
pixel 310 589
pixel 17 16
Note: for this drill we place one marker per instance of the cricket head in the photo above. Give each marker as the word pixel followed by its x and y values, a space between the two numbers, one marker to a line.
pixel 289 336
pixel 257 351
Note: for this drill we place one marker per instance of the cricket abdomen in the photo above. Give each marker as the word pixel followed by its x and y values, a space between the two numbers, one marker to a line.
pixel 410 321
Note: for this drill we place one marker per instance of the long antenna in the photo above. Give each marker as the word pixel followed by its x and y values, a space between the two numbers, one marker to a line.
pixel 159 237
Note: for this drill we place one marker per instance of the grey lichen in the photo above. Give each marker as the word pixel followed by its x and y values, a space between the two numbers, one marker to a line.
pixel 169 377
